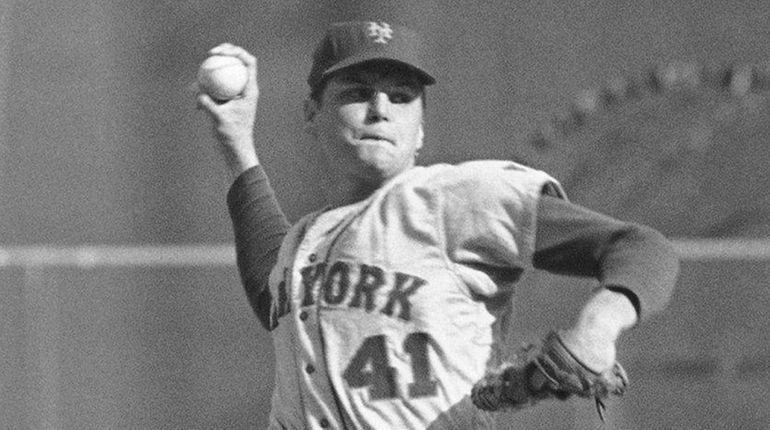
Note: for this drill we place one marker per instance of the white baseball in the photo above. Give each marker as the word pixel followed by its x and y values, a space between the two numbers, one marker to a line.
pixel 222 77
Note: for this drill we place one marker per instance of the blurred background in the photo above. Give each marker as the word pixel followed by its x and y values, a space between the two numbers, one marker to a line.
pixel 120 305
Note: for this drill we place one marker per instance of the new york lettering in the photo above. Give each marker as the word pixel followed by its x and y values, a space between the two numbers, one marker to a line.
pixel 339 284
pixel 282 307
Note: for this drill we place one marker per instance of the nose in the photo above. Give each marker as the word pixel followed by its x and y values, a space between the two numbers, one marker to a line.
pixel 379 107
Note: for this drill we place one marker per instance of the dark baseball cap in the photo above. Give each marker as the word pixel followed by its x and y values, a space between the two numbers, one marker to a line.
pixel 350 43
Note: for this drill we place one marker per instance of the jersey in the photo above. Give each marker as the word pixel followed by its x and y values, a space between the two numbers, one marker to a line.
pixel 386 311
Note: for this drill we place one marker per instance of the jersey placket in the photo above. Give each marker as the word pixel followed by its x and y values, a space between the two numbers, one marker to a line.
pixel 319 398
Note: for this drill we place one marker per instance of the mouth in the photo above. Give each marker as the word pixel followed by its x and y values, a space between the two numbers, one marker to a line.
pixel 373 138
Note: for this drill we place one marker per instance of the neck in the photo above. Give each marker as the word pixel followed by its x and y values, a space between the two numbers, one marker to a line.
pixel 345 191
pixel 343 187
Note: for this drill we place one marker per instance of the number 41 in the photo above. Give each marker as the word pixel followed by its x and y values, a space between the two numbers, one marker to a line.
pixel 370 367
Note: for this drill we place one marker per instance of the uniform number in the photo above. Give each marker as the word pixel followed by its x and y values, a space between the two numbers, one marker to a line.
pixel 370 367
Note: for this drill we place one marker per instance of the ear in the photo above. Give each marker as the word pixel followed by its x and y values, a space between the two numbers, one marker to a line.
pixel 420 136
pixel 309 110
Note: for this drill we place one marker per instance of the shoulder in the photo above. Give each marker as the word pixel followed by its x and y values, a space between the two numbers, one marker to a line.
pixel 297 230
pixel 478 177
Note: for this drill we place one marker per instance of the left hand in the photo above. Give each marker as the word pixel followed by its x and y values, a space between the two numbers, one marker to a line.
pixel 547 371
pixel 579 361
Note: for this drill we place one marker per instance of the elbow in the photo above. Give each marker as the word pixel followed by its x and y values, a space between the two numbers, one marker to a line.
pixel 261 302
pixel 646 264
pixel 666 263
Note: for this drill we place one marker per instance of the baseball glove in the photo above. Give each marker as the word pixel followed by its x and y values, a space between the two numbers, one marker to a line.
pixel 546 371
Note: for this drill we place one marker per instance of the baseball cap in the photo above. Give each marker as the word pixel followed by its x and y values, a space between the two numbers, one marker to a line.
pixel 349 43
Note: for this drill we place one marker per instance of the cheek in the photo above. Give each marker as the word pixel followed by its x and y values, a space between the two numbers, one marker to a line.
pixel 331 127
pixel 413 129
pixel 350 115
pixel 412 115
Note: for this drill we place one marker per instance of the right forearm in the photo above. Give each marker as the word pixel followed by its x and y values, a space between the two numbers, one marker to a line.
pixel 258 222
pixel 259 226
pixel 239 158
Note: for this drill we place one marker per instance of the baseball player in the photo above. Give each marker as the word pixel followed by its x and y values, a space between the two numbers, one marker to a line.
pixel 386 307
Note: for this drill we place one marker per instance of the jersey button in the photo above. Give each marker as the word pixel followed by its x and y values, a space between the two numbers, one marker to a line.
pixel 312 258
pixel 303 315
pixel 309 368
pixel 324 423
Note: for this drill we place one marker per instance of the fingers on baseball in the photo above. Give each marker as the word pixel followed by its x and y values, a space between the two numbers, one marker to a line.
pixel 206 103
pixel 202 100
pixel 246 58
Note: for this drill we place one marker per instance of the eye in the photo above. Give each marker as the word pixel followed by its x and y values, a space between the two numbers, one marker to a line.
pixel 402 95
pixel 356 94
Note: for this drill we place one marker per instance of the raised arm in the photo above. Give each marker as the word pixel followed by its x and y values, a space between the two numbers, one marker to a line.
pixel 259 224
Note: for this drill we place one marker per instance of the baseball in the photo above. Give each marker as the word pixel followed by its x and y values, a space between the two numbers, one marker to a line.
pixel 222 78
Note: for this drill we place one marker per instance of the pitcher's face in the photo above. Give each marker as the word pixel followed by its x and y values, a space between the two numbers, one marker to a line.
pixel 369 121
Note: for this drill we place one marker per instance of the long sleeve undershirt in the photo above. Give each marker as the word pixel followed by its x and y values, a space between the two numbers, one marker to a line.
pixel 570 240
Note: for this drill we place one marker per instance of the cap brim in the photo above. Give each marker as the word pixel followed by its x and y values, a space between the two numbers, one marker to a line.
pixel 424 76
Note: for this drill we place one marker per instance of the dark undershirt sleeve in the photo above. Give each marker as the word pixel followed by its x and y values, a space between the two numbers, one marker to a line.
pixel 626 257
pixel 259 226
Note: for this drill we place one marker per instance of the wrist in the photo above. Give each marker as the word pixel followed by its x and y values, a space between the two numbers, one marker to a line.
pixel 594 350
pixel 601 321
pixel 242 164
pixel 240 158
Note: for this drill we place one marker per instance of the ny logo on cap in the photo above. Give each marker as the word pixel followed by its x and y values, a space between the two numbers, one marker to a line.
pixel 381 32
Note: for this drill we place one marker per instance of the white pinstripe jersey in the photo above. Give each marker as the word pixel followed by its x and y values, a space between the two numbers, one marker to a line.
pixel 383 313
